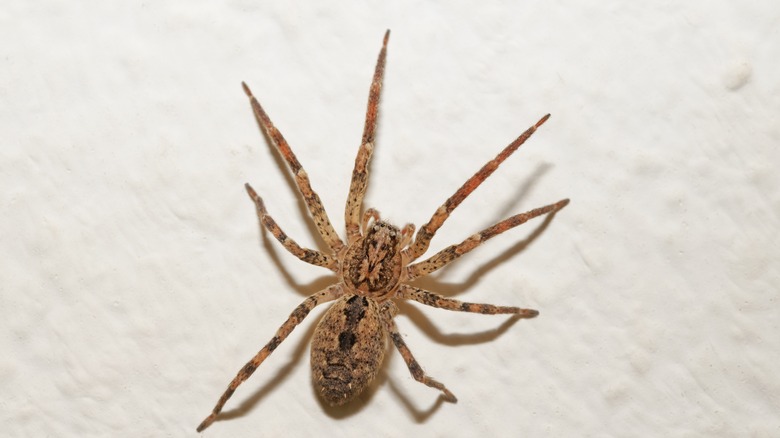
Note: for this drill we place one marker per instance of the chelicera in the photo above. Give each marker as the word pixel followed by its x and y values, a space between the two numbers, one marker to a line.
pixel 374 267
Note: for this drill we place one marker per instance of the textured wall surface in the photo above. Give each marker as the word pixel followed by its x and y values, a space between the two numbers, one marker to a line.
pixel 135 281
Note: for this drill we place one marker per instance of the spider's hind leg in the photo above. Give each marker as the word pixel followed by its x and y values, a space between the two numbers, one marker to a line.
pixel 435 300
pixel 295 318
pixel 414 367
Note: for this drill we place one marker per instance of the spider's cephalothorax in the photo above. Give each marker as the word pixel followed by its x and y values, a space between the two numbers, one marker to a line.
pixel 374 268
pixel 372 264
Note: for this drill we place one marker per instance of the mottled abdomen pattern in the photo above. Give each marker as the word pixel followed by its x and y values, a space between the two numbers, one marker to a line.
pixel 347 349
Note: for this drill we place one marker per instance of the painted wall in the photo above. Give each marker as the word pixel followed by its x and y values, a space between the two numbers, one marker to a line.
pixel 136 282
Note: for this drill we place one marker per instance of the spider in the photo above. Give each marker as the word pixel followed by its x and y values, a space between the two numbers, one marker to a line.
pixel 374 266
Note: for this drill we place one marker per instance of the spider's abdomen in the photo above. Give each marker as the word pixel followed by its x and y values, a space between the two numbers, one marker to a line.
pixel 347 349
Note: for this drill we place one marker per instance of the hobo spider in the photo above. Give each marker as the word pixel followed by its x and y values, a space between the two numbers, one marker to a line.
pixel 373 266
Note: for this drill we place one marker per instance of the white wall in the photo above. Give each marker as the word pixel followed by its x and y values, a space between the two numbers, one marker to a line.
pixel 136 282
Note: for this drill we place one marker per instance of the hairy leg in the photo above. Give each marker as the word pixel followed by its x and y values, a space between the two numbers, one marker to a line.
pixel 307 255
pixel 434 300
pixel 311 198
pixel 357 188
pixel 452 252
pixel 427 231
pixel 414 367
pixel 295 318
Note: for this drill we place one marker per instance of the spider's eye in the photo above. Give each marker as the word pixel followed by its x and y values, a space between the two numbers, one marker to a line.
pixel 392 234
pixel 375 228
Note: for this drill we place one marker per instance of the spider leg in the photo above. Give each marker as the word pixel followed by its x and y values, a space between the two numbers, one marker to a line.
pixel 307 255
pixel 311 198
pixel 438 301
pixel 452 252
pixel 427 231
pixel 414 367
pixel 295 318
pixel 357 188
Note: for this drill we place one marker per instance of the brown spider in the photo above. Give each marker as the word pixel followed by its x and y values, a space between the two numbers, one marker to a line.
pixel 373 268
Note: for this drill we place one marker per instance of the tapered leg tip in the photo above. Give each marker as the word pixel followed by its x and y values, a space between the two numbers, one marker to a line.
pixel 541 121
pixel 246 89
pixel 450 397
pixel 206 423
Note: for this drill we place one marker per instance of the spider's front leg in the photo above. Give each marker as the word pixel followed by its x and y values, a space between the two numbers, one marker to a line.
pixel 427 231
pixel 357 188
pixel 313 202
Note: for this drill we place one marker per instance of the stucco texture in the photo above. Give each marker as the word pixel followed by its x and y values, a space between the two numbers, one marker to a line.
pixel 136 281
